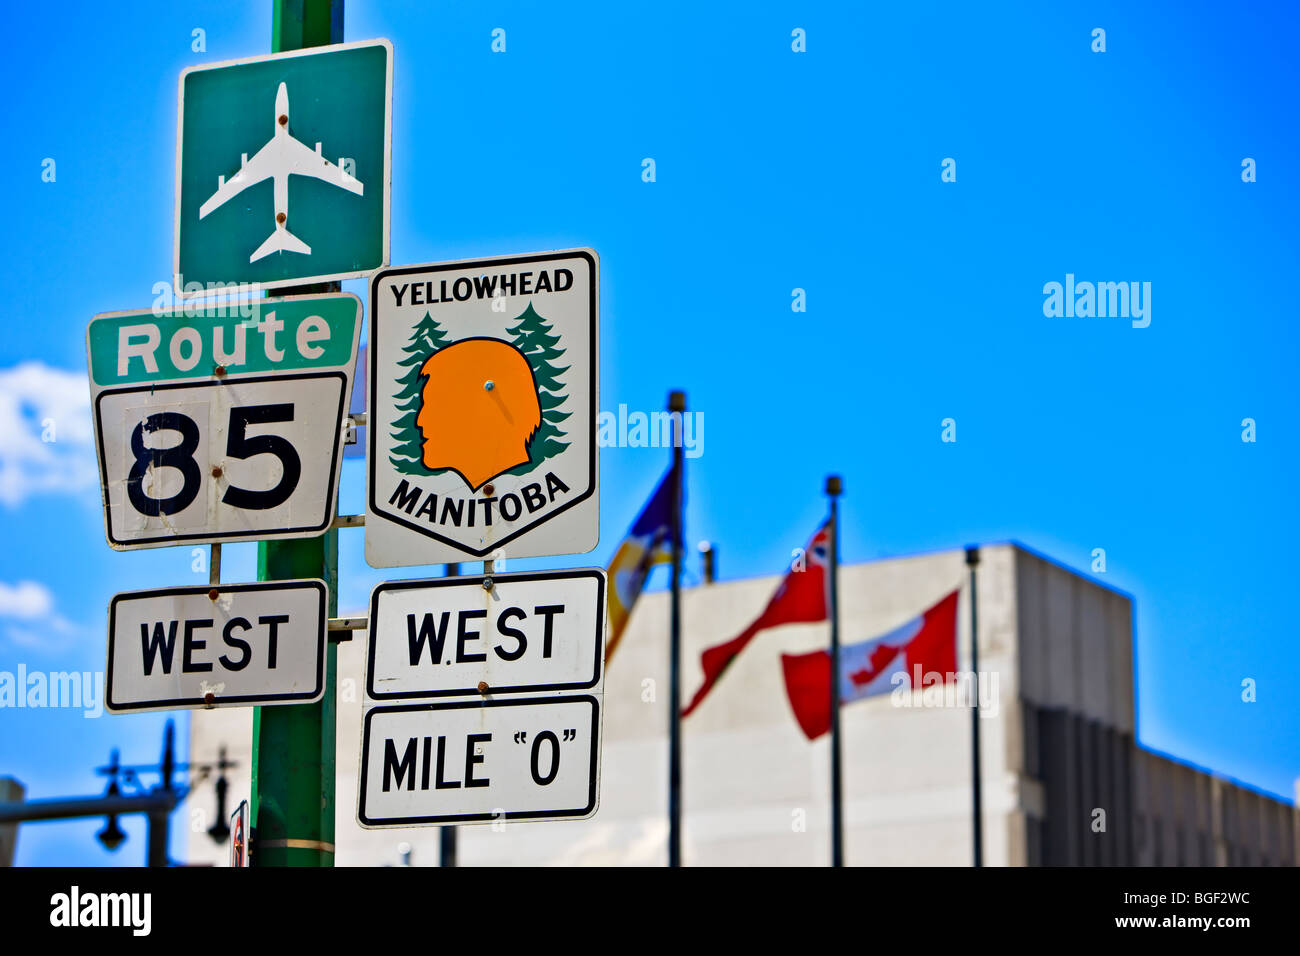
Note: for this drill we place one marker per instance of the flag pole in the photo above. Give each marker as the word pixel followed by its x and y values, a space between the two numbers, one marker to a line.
pixel 447 834
pixel 677 405
pixel 972 562
pixel 834 488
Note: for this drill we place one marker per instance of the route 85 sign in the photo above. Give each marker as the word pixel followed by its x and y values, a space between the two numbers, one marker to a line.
pixel 482 410
pixel 221 421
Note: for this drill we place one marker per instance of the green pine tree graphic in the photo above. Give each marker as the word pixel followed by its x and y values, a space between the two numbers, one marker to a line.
pixel 533 338
pixel 408 454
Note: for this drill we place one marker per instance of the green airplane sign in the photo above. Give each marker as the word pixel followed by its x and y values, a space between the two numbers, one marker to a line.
pixel 282 168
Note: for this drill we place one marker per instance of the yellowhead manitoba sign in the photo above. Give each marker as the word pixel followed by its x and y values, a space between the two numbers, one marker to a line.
pixel 482 409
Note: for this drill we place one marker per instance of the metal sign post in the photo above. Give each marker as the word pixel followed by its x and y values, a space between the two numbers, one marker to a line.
pixel 292 812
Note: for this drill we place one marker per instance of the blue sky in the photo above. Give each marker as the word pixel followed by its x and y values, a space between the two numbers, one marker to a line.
pixel 775 171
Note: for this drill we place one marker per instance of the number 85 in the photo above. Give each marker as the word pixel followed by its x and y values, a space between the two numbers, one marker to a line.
pixel 238 445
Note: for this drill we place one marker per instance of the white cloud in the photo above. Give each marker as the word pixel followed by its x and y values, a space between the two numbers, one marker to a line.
pixel 30 619
pixel 25 600
pixel 46 437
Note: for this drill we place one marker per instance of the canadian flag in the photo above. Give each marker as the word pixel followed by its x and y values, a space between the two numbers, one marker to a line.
pixel 867 669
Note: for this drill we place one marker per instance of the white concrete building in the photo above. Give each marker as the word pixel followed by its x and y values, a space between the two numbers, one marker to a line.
pixel 1056 660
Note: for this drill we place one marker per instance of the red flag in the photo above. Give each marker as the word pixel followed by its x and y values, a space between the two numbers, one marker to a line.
pixel 800 599
pixel 808 685
pixel 928 642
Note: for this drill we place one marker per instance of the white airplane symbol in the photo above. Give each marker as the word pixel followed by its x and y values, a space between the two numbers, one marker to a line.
pixel 281 157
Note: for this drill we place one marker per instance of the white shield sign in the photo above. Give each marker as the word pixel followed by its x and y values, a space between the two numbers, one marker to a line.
pixel 482 409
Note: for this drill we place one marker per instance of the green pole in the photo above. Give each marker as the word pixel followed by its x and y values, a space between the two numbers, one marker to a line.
pixel 834 488
pixel 292 809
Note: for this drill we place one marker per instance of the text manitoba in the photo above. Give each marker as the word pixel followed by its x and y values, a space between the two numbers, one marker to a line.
pixel 472 512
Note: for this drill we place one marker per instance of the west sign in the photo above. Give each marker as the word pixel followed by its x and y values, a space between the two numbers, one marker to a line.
pixel 536 632
pixel 229 645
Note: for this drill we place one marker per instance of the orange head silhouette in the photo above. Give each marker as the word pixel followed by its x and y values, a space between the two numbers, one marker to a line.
pixel 479 409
